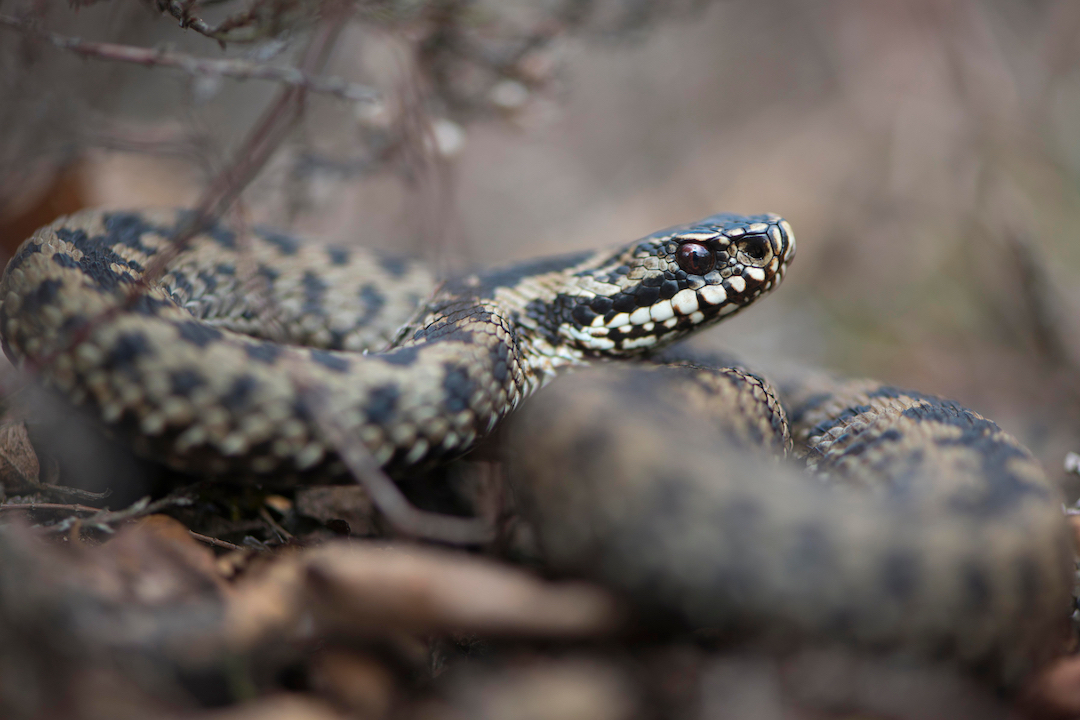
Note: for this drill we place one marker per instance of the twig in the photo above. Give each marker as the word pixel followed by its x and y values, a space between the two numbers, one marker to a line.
pixel 70 492
pixel 50 506
pixel 264 138
pixel 223 32
pixel 385 495
pixel 283 534
pixel 213 541
pixel 261 142
pixel 200 67
pixel 102 519
pixel 145 508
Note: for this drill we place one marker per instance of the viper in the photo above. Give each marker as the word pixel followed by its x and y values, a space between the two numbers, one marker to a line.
pixel 223 364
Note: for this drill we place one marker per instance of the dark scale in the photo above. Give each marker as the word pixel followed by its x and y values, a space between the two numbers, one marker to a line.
pixel 238 396
pixel 647 296
pixel 126 350
pixel 459 388
pixel 582 314
pixel 330 361
pixel 600 304
pixel 624 303
pixel 338 255
pixel 401 356
pixel 41 296
pixel 264 352
pixel 65 261
pixel 128 229
pixel 314 294
pixel 536 312
pixel 146 305
pixel 381 404
pixel 183 382
pixel 73 323
pixel 372 301
pixel 209 281
pixel 394 265
pixel 500 362
pixel 337 339
pixel 285 244
pixel 97 260
pixel 198 333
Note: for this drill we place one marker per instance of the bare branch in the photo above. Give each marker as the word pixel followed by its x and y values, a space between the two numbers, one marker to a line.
pixel 61 507
pixel 262 19
pixel 259 145
pixel 103 519
pixel 200 67
pixel 214 541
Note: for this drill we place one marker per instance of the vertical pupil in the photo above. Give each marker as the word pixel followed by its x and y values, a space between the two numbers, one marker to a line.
pixel 695 258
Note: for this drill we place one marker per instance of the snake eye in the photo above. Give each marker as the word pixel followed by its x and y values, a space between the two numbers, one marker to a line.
pixel 695 259
pixel 753 249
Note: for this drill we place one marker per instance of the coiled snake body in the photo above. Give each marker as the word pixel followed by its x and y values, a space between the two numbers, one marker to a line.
pixel 209 369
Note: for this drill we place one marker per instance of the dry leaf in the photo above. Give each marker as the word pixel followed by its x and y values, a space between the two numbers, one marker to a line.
pixel 348 503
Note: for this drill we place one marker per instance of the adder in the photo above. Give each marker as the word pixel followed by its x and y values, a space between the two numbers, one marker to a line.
pixel 960 549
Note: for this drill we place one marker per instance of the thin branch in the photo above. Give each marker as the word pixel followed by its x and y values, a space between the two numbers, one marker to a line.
pixel 259 145
pixel 384 493
pixel 59 507
pixel 102 519
pixel 143 508
pixel 283 534
pixel 257 24
pixel 70 492
pixel 200 67
pixel 213 541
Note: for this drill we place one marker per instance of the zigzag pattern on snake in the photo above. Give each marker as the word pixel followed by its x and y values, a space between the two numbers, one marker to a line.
pixel 963 553
pixel 191 375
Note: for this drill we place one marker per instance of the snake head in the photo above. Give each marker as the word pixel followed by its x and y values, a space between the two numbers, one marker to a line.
pixel 674 282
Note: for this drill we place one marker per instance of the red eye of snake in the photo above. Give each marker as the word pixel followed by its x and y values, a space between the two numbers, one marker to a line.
pixel 695 259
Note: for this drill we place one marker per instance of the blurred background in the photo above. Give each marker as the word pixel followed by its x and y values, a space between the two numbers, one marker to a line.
pixel 926 152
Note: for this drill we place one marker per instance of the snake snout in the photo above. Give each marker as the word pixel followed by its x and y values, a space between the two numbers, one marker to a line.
pixel 783 240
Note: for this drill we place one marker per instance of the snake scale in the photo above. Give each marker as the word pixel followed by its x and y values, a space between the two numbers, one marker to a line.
pixel 920 526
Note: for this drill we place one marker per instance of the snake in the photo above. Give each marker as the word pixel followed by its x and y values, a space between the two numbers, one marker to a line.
pixel 914 523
